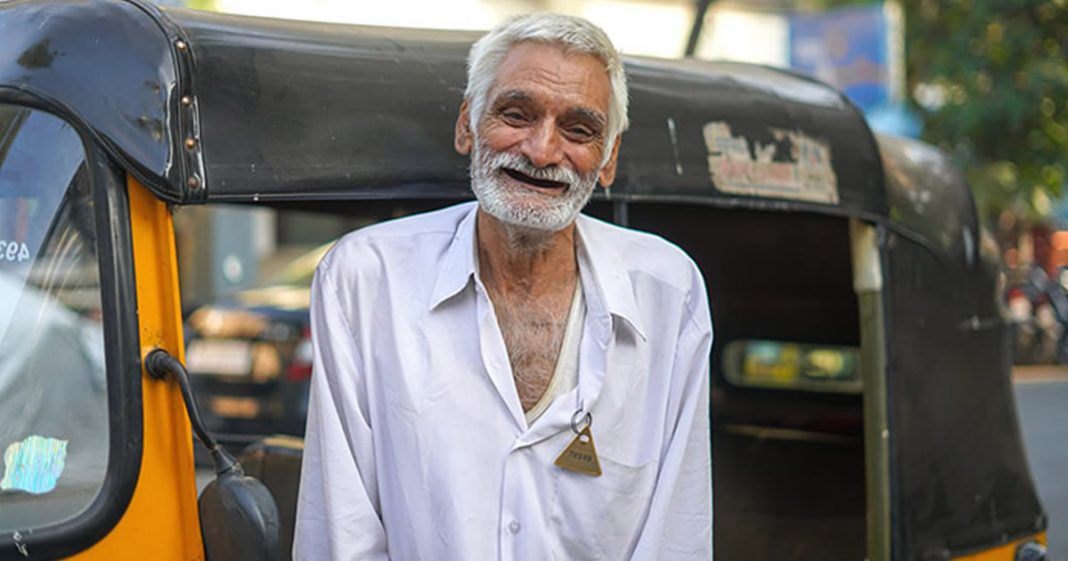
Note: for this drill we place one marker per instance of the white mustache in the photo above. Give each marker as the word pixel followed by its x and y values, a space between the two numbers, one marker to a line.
pixel 520 163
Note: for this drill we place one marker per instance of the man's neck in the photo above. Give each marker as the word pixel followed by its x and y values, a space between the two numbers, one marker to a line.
pixel 530 264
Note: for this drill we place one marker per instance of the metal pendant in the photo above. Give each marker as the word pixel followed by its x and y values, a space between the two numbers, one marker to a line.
pixel 580 456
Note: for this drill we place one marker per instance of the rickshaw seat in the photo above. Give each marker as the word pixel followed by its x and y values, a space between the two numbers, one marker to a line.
pixel 275 461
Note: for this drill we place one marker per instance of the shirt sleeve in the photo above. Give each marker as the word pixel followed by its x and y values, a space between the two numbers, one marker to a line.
pixel 338 516
pixel 679 525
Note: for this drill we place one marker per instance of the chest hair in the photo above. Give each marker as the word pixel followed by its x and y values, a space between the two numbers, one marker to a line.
pixel 533 332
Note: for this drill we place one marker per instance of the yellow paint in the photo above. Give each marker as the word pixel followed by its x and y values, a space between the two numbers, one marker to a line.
pixel 161 522
pixel 1003 553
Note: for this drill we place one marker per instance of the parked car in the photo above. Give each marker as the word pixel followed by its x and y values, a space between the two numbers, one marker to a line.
pixel 249 355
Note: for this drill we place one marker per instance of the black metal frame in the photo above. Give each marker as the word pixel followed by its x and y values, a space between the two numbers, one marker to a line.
pixel 122 359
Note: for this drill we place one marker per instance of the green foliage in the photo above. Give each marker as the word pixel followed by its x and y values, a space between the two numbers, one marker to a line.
pixel 991 79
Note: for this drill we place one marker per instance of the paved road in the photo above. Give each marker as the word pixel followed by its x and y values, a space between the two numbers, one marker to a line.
pixel 204 476
pixel 1042 400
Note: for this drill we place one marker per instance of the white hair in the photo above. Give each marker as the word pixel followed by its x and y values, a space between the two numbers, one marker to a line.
pixel 573 34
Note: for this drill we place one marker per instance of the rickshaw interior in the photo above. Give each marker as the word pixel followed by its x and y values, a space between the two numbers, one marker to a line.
pixel 787 462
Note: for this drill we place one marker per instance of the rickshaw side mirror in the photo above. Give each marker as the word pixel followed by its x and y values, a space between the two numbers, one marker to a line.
pixel 238 515
pixel 238 519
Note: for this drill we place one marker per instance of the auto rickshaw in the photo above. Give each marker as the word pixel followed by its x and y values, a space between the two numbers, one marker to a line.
pixel 862 405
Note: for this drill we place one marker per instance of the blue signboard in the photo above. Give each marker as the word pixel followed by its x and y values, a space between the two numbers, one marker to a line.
pixel 848 48
pixel 852 49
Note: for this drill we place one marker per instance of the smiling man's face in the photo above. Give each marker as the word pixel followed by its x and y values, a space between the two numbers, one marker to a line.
pixel 539 148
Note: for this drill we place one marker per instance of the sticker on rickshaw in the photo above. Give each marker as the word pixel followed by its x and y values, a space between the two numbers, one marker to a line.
pixel 792 165
pixel 34 465
pixel 14 251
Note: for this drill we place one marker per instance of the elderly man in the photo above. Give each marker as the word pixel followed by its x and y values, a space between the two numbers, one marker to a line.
pixel 510 379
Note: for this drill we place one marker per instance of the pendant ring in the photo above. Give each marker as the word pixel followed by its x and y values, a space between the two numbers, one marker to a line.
pixel 580 422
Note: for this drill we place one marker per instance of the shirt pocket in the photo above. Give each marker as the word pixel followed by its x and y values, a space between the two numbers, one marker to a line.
pixel 600 518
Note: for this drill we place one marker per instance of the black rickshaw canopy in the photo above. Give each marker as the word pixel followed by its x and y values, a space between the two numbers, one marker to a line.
pixel 209 107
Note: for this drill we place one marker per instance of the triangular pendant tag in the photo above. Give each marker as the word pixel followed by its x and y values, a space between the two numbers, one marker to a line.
pixel 581 456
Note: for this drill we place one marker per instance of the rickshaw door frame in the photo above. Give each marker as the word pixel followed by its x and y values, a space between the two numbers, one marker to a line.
pixel 161 520
pixel 867 257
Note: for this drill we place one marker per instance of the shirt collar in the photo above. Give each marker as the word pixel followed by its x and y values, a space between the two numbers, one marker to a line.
pixel 613 291
pixel 608 271
pixel 459 264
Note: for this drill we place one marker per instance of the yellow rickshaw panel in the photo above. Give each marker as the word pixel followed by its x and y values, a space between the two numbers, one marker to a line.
pixel 1006 552
pixel 162 517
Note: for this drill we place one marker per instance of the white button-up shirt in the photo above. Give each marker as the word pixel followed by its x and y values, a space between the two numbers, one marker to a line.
pixel 417 447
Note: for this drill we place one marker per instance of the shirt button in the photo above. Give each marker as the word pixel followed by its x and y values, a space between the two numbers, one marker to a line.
pixel 514 527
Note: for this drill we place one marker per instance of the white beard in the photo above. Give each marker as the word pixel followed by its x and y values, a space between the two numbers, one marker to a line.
pixel 531 215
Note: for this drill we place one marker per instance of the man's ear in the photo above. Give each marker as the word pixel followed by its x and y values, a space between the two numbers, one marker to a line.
pixel 608 172
pixel 463 140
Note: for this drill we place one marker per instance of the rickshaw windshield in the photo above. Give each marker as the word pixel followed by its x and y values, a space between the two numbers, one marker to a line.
pixel 53 388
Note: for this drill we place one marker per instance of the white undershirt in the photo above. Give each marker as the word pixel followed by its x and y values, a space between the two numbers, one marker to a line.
pixel 565 377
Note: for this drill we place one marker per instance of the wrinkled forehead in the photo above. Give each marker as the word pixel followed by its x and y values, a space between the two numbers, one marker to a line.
pixel 541 73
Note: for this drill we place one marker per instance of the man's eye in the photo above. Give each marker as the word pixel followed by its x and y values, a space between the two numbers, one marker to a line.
pixel 516 116
pixel 580 132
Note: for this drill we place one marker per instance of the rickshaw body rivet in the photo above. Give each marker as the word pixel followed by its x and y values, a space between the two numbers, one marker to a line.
pixel 190 143
pixel 181 45
pixel 187 101
pixel 194 182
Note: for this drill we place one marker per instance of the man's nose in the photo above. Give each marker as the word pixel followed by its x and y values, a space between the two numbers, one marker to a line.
pixel 544 146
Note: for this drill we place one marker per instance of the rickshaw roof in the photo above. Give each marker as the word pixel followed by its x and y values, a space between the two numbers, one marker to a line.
pixel 206 107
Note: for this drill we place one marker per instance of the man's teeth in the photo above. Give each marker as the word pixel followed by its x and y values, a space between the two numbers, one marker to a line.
pixel 545 183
